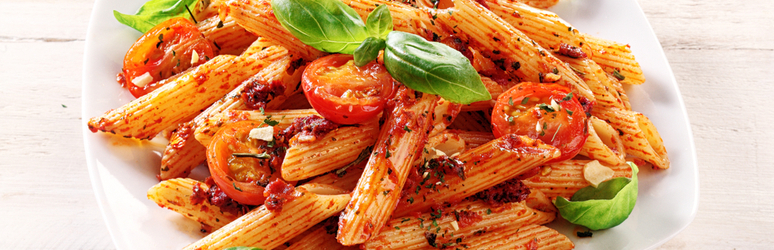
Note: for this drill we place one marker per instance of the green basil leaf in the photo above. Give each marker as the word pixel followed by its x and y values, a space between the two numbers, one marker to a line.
pixel 433 68
pixel 379 22
pixel 368 50
pixel 154 12
pixel 327 25
pixel 242 248
pixel 603 207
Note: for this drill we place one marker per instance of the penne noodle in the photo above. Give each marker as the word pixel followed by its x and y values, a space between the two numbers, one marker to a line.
pixel 454 224
pixel 514 237
pixel 226 35
pixel 616 57
pixel 640 138
pixel 481 168
pixel 296 216
pixel 184 152
pixel 336 149
pixel 566 177
pixel 400 144
pixel 549 31
pixel 175 195
pixel 208 128
pixel 601 85
pixel 257 17
pixel 185 95
pixel 603 143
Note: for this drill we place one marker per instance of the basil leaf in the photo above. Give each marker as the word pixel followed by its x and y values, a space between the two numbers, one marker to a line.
pixel 433 68
pixel 327 25
pixel 603 207
pixel 154 12
pixel 379 22
pixel 368 50
pixel 242 248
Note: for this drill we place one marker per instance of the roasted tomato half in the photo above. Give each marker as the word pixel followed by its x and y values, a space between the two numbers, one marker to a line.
pixel 345 93
pixel 242 165
pixel 171 47
pixel 548 112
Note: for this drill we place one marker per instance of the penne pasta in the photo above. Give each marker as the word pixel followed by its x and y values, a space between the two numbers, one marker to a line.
pixel 226 35
pixel 176 195
pixel 258 18
pixel 601 85
pixel 184 96
pixel 211 126
pixel 184 152
pixel 335 150
pixel 640 138
pixel 481 168
pixel 603 143
pixel 427 173
pixel 296 216
pixel 549 31
pixel 617 59
pixel 451 226
pixel 513 237
pixel 566 177
pixel 400 142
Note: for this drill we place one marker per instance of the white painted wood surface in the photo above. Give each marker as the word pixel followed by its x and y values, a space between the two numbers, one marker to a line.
pixel 720 51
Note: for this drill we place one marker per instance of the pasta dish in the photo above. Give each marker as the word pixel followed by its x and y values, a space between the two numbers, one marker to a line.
pixel 442 124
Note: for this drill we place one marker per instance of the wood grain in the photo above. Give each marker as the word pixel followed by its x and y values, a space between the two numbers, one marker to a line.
pixel 720 51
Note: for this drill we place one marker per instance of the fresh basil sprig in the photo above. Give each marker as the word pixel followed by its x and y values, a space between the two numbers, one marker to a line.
pixel 154 12
pixel 429 67
pixel 433 68
pixel 379 22
pixel 329 26
pixel 603 207
pixel 368 51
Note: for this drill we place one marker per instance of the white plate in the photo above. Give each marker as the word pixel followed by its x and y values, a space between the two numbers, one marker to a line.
pixel 122 170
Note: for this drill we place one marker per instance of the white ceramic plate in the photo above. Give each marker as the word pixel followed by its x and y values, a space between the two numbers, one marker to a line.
pixel 122 170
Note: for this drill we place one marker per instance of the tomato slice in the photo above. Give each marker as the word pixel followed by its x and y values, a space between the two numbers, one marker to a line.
pixel 242 166
pixel 345 93
pixel 163 51
pixel 542 111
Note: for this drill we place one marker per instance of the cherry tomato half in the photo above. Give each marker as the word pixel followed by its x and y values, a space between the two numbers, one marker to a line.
pixel 164 51
pixel 345 93
pixel 542 111
pixel 243 166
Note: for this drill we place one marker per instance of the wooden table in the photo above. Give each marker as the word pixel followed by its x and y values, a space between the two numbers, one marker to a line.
pixel 720 51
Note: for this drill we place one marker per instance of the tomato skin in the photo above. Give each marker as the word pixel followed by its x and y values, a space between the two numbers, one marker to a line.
pixel 164 51
pixel 344 93
pixel 233 138
pixel 565 128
